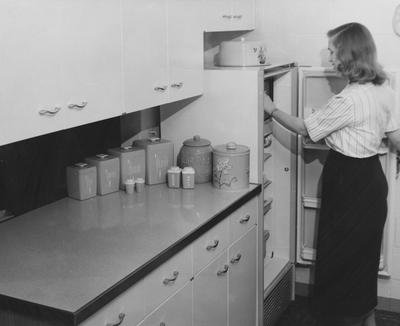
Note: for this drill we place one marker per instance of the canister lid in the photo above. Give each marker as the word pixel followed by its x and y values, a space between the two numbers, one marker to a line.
pixel 231 148
pixel 196 141
pixel 188 170
pixel 173 169
pixel 82 167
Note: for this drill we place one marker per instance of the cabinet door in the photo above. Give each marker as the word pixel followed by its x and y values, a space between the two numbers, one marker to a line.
pixel 185 49
pixel 176 311
pixel 228 15
pixel 242 280
pixel 128 307
pixel 145 60
pixel 210 294
pixel 217 15
pixel 90 65
pixel 244 14
pixel 30 68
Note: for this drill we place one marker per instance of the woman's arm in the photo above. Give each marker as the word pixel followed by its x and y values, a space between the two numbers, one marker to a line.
pixel 288 121
pixel 394 138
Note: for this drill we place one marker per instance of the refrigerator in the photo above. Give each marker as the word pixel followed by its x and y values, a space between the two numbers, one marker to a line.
pixel 287 165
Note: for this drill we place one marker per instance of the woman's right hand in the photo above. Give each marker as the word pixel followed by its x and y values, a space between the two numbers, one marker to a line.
pixel 269 106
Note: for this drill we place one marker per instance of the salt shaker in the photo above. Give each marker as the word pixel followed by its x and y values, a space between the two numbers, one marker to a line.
pixel 188 177
pixel 174 177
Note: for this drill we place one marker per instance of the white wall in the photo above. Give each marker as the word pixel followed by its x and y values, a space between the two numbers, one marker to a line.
pixel 296 30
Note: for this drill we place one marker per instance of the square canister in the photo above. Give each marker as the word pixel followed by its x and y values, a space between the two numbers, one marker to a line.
pixel 159 157
pixel 81 181
pixel 132 162
pixel 107 172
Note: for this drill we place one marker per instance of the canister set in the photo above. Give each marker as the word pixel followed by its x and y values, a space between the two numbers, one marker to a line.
pixel 150 161
pixel 227 165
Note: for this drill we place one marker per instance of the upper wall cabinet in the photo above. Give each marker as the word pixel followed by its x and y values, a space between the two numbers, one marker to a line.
pixel 162 52
pixel 60 65
pixel 228 15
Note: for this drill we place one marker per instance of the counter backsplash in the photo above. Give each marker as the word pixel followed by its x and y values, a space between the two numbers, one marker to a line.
pixel 32 171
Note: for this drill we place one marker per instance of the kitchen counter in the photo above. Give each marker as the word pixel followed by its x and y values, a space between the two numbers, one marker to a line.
pixel 69 258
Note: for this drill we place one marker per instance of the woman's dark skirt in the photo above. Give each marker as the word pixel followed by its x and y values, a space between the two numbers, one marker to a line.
pixel 352 218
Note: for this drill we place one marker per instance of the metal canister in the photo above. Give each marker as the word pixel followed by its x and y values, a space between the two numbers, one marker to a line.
pixel 196 152
pixel 231 166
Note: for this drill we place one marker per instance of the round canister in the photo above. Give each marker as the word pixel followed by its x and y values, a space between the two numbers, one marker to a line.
pixel 196 152
pixel 231 166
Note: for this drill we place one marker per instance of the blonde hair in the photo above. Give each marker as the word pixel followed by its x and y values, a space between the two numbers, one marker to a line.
pixel 356 53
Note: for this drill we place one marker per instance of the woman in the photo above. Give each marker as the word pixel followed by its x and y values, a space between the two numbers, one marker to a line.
pixel 354 188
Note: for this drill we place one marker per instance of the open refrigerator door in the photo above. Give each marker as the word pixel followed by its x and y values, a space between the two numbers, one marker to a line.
pixel 316 86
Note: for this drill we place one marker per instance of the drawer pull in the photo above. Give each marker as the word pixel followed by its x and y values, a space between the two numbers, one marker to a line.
pixel 236 259
pixel 160 88
pixel 177 85
pixel 50 112
pixel 121 317
pixel 77 106
pixel 227 16
pixel 172 279
pixel 162 324
pixel 223 271
pixel 238 16
pixel 245 219
pixel 213 246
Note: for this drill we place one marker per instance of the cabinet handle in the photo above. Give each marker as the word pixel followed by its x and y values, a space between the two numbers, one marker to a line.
pixel 223 271
pixel 121 317
pixel 172 279
pixel 77 106
pixel 160 88
pixel 213 246
pixel 245 219
pixel 50 112
pixel 238 16
pixel 177 85
pixel 236 259
pixel 162 324
pixel 227 16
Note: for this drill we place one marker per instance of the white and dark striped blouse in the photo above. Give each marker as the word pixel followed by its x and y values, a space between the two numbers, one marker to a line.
pixel 354 121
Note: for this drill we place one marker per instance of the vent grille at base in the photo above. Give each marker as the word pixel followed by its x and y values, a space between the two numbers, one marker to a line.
pixel 278 299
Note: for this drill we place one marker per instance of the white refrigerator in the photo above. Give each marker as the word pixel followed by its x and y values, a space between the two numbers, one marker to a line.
pixel 288 166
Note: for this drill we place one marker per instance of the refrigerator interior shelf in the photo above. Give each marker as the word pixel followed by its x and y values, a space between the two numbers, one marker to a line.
pixel 267 156
pixel 267 205
pixel 266 182
pixel 308 254
pixel 311 202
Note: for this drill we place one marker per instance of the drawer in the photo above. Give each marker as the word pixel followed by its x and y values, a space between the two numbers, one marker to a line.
pixel 210 245
pixel 168 278
pixel 129 307
pixel 241 220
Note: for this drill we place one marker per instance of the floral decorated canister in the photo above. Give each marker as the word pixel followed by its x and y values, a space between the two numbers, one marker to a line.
pixel 231 166
pixel 196 152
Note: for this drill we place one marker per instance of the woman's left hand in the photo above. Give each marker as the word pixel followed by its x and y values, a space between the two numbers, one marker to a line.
pixel 269 106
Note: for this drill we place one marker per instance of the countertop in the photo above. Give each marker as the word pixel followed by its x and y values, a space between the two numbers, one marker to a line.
pixel 66 256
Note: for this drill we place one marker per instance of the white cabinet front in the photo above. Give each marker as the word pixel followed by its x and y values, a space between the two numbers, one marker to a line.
pixel 242 280
pixel 176 311
pixel 228 15
pixel 56 55
pixel 210 288
pixel 162 52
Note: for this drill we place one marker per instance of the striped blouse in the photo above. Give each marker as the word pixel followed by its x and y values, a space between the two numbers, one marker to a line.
pixel 354 121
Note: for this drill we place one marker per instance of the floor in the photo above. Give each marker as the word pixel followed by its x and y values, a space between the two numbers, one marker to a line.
pixel 297 314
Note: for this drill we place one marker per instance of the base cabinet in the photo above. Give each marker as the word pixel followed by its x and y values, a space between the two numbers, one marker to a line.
pixel 225 291
pixel 210 304
pixel 242 275
pixel 176 311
